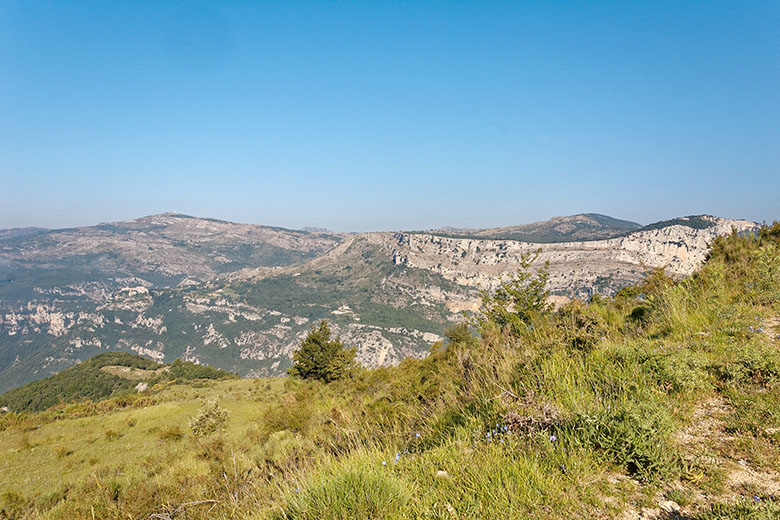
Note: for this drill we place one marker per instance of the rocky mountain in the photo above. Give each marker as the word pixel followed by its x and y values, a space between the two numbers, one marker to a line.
pixel 586 226
pixel 240 297
pixel 577 269
pixel 165 249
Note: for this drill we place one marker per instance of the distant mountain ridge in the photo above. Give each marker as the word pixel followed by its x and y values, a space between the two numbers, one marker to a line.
pixel 574 228
pixel 585 226
pixel 6 234
pixel 240 297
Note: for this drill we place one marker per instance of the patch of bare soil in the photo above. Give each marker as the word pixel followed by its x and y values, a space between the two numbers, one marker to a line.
pixel 772 328
pixel 133 374
pixel 704 440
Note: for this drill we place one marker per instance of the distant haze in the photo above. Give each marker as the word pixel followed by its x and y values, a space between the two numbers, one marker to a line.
pixel 388 115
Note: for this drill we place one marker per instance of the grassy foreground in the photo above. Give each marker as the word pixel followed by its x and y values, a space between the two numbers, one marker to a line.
pixel 663 402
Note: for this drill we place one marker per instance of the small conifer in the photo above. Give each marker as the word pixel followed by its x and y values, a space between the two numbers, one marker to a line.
pixel 319 357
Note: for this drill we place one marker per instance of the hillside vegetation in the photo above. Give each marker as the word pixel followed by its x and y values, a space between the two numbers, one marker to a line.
pixel 662 402
pixel 101 377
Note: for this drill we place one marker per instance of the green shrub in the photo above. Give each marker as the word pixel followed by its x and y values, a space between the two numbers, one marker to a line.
pixel 319 357
pixel 278 448
pixel 752 362
pixel 210 419
pixel 518 299
pixel 634 435
pixel 581 325
pixel 676 371
pixel 290 413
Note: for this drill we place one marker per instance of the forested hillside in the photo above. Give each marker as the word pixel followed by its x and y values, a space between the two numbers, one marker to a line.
pixel 101 377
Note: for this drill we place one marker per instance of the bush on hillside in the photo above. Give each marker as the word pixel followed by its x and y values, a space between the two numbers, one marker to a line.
pixel 581 325
pixel 83 381
pixel 211 419
pixel 322 358
pixel 518 299
pixel 187 370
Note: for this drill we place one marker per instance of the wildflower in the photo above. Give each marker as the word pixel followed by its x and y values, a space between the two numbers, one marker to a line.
pixel 384 463
pixel 563 468
pixel 298 490
pixel 397 457
pixel 553 438
pixel 756 498
pixel 417 435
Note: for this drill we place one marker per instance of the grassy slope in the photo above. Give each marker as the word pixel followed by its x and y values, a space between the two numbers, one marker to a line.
pixel 89 380
pixel 667 392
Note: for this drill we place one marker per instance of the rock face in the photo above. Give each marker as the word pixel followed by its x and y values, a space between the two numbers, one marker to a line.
pixel 577 269
pixel 242 297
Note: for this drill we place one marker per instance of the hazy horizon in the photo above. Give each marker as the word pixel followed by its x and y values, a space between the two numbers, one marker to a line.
pixel 385 116
pixel 211 217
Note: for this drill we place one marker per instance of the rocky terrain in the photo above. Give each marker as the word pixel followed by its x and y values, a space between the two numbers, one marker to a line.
pixel 577 269
pixel 240 297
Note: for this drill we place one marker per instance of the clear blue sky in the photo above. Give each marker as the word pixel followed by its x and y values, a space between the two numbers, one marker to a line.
pixel 388 115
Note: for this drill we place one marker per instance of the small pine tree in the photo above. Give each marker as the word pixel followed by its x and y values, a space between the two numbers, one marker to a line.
pixel 519 298
pixel 319 357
